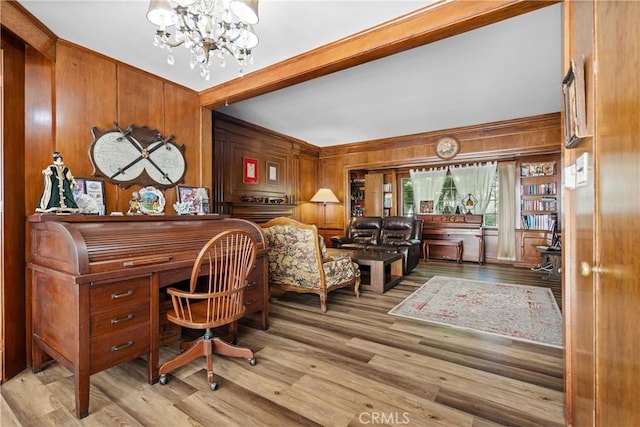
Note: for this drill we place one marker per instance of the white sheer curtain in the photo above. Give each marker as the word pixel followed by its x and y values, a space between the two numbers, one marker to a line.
pixel 475 179
pixel 427 185
pixel 507 211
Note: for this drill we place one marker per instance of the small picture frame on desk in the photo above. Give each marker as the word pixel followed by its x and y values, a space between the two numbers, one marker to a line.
pixel 89 196
pixel 426 206
pixel 198 196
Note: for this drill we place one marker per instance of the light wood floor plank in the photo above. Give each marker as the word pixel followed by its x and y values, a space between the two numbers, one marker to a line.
pixel 355 365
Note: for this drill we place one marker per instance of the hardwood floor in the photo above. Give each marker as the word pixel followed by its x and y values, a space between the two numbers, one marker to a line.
pixel 354 365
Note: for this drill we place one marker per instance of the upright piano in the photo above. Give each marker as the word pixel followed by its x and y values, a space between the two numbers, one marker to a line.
pixel 467 228
pixel 96 284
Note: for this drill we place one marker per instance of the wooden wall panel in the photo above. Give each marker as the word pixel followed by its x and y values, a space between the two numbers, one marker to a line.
pixel 140 101
pixel 139 98
pixel 308 182
pixel 85 92
pixel 491 141
pixel 235 140
pixel 12 239
pixel 182 119
pixel 39 124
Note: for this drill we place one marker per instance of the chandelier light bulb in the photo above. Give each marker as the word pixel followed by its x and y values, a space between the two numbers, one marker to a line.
pixel 208 29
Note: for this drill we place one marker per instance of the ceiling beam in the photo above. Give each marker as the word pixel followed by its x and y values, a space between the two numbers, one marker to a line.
pixel 426 25
pixel 15 18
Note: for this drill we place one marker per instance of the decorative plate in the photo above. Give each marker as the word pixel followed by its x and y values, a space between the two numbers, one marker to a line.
pixel 447 147
pixel 151 201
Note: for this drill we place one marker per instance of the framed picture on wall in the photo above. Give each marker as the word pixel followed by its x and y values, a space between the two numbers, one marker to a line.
pixel 249 170
pixel 273 173
pixel 573 90
pixel 89 196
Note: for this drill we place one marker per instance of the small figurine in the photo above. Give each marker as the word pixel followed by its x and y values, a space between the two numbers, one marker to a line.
pixel 134 204
pixel 58 188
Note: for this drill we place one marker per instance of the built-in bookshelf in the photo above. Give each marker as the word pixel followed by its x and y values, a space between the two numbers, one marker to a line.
pixel 538 194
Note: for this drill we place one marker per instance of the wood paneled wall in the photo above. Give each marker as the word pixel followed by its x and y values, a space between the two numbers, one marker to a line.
pixel 12 239
pixel 492 141
pixel 297 165
pixel 93 90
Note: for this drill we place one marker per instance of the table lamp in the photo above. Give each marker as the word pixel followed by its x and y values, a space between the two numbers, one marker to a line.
pixel 324 196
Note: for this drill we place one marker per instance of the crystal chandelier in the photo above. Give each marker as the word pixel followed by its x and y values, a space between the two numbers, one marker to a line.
pixel 210 29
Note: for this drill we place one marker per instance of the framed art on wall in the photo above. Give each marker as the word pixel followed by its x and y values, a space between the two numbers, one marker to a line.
pixel 573 90
pixel 273 173
pixel 249 170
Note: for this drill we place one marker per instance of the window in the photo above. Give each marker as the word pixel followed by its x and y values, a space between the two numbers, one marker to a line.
pixel 449 201
pixel 407 197
pixel 491 213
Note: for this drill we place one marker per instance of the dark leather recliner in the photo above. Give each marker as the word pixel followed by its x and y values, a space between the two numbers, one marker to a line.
pixel 390 234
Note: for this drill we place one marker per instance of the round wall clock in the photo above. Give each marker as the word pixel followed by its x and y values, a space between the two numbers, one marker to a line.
pixel 447 147
pixel 138 155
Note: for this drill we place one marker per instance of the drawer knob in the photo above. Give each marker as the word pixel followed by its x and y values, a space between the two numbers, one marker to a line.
pixel 115 321
pixel 122 295
pixel 251 284
pixel 122 346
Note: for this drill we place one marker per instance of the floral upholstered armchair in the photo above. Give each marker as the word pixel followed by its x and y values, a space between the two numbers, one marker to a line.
pixel 298 261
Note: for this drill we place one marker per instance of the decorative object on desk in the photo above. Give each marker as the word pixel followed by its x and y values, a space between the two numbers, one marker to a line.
pixel 134 204
pixel 203 195
pixel 89 196
pixel 138 155
pixel 447 147
pixel 426 206
pixel 151 201
pixel 526 313
pixel 197 196
pixel 183 208
pixel 209 29
pixel 249 170
pixel 58 188
pixel 469 203
pixel 324 196
pixel 573 90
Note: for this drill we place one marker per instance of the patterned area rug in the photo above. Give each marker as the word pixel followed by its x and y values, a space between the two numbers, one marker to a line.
pixel 525 313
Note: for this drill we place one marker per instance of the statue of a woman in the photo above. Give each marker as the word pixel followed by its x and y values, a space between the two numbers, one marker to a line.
pixel 58 188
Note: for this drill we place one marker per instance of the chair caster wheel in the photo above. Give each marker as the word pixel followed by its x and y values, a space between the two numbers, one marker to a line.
pixel 253 361
pixel 213 386
pixel 163 379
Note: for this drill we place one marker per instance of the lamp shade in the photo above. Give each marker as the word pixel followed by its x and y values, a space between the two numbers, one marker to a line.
pixel 160 13
pixel 246 10
pixel 325 195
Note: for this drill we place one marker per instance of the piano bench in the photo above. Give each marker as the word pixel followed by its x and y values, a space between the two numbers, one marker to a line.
pixel 455 243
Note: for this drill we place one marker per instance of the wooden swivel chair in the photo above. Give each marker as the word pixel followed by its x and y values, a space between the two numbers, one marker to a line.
pixel 215 298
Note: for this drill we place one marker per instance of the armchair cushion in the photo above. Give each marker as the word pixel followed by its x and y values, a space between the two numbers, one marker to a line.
pixel 298 260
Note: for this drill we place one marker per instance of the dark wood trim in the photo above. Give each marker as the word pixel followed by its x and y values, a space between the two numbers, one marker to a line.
pixel 24 25
pixel 426 25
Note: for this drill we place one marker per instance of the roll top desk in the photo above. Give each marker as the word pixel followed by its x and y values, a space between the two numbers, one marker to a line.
pixel 96 284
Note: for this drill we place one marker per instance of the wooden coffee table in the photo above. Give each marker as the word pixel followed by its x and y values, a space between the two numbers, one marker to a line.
pixel 385 268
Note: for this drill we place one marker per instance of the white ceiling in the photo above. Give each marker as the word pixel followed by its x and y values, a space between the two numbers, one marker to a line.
pixel 507 70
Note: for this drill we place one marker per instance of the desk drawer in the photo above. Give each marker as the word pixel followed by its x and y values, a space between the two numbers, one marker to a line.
pixel 113 349
pixel 107 295
pixel 254 291
pixel 120 317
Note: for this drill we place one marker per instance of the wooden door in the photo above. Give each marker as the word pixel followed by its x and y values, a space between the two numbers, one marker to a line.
pixel 617 305
pixel 602 274
pixel 373 183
